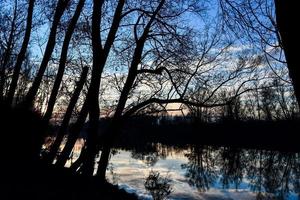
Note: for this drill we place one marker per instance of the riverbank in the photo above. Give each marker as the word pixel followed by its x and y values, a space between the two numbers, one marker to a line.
pixel 48 183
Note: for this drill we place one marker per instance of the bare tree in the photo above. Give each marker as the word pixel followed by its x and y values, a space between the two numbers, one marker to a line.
pixel 8 50
pixel 67 116
pixel 60 8
pixel 266 23
pixel 62 61
pixel 91 104
pixel 21 55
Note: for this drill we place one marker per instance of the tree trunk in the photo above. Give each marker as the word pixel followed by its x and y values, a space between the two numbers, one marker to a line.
pixel 285 17
pixel 73 135
pixel 63 128
pixel 91 104
pixel 99 60
pixel 103 163
pixel 93 93
pixel 21 56
pixel 117 119
pixel 60 8
pixel 62 61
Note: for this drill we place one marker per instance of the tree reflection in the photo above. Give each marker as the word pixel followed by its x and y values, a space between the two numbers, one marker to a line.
pixel 201 169
pixel 271 174
pixel 148 153
pixel 274 173
pixel 232 163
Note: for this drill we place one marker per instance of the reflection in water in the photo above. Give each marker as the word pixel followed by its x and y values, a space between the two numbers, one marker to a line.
pixel 148 154
pixel 201 169
pixel 232 166
pixel 271 174
pixel 211 170
pixel 159 187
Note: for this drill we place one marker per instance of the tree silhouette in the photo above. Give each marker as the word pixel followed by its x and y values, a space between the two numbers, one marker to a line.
pixel 21 55
pixel 95 69
pixel 60 8
pixel 266 23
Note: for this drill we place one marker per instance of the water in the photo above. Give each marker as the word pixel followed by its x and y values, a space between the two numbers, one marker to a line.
pixel 205 172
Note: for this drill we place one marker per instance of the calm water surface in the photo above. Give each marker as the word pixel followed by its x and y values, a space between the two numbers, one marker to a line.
pixel 208 173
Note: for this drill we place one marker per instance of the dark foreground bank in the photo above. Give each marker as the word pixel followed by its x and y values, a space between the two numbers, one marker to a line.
pixel 25 176
pixel 46 183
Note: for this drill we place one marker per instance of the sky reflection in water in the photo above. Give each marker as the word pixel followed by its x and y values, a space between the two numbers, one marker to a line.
pixel 209 173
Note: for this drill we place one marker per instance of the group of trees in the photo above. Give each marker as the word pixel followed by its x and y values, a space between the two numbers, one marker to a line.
pixel 274 101
pixel 138 57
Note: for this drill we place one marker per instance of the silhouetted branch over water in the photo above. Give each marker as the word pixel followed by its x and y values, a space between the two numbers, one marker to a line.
pixel 81 78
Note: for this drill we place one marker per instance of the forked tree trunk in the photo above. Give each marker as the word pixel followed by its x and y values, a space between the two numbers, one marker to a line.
pixel 93 93
pixel 117 118
pixel 91 104
pixel 99 60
